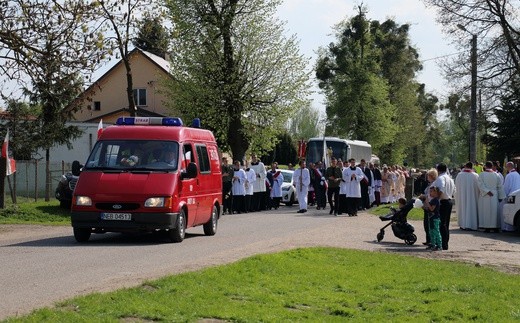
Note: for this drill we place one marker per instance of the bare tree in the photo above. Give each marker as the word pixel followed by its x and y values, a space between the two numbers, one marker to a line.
pixel 496 25
pixel 121 20
pixel 47 47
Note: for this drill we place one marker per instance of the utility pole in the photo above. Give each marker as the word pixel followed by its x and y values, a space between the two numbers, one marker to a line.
pixel 473 111
pixel 473 107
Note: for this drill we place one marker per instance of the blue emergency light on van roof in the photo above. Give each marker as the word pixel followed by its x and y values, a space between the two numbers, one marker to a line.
pixel 157 121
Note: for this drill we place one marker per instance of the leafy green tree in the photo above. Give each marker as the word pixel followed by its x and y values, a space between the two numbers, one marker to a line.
pixel 305 123
pixel 358 104
pixel 234 67
pixel 284 151
pixel 458 107
pixel 152 36
pixel 422 153
pixel 20 122
pixel 399 65
pixel 504 136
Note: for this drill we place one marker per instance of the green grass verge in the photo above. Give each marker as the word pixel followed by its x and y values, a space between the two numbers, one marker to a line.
pixel 314 285
pixel 383 209
pixel 41 212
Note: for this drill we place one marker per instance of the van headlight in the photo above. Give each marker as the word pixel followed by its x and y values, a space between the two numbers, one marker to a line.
pixel 157 202
pixel 83 201
pixel 511 199
pixel 285 188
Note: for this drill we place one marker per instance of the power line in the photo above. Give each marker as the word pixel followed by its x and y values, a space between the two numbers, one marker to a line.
pixel 443 56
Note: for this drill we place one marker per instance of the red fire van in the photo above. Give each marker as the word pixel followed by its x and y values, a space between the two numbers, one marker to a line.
pixel 149 174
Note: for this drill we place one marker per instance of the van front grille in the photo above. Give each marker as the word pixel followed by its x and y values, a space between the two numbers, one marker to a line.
pixel 117 206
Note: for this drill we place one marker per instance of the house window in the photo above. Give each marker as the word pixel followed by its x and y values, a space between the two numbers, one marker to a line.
pixel 97 105
pixel 140 97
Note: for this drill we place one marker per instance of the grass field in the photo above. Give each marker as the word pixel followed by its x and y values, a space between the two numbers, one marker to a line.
pixel 314 285
pixel 45 213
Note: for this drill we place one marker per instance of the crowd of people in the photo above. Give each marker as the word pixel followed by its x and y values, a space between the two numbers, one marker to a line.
pixel 481 196
pixel 346 187
pixel 250 188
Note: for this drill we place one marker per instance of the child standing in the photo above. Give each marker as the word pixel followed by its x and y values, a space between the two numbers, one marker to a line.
pixel 432 207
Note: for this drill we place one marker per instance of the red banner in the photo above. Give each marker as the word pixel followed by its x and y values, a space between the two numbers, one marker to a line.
pixel 302 147
pixel 11 163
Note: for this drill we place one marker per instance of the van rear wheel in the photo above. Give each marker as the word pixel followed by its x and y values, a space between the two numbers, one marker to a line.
pixel 210 227
pixel 178 233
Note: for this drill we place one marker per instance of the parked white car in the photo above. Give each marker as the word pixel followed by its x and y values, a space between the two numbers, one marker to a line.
pixel 511 210
pixel 289 196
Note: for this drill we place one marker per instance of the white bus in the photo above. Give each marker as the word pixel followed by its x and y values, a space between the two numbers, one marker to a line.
pixel 339 148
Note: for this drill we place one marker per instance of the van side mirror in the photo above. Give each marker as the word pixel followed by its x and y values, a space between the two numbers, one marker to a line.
pixel 191 171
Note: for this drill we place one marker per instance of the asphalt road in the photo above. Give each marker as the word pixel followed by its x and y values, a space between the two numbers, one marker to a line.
pixel 41 265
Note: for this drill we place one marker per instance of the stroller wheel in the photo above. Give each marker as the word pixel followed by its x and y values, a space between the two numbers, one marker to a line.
pixel 410 240
pixel 380 236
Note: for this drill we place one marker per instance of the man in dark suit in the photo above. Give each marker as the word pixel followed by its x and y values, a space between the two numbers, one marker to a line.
pixel 365 184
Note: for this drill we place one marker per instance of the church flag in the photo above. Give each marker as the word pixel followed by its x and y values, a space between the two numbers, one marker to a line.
pixel 99 128
pixel 11 163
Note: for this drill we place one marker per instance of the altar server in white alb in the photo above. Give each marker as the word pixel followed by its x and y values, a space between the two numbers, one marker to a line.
pixel 352 176
pixel 276 188
pixel 301 181
pixel 238 188
pixel 250 181
pixel 491 192
pixel 466 198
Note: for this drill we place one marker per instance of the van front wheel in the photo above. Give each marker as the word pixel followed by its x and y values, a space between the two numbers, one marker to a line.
pixel 177 234
pixel 82 234
pixel 210 227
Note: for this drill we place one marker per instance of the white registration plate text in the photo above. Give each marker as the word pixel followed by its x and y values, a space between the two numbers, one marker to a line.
pixel 116 216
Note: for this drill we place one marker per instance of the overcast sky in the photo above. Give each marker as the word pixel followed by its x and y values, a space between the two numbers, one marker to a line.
pixel 312 22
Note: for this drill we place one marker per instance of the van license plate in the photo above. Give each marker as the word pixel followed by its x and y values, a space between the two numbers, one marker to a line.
pixel 116 216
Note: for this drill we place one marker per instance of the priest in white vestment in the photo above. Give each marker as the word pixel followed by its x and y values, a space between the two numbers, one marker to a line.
pixel 511 184
pixel 352 176
pixel 466 198
pixel 491 191
pixel 259 188
pixel 301 182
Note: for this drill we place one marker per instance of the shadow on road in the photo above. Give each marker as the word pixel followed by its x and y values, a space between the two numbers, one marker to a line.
pixel 103 240
pixel 509 237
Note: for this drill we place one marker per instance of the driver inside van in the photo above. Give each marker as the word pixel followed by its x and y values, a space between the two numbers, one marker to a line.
pixel 169 157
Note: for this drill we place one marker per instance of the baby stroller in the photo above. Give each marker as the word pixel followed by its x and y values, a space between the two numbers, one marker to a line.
pixel 401 228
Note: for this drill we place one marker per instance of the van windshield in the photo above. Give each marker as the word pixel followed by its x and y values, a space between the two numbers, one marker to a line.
pixel 153 155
